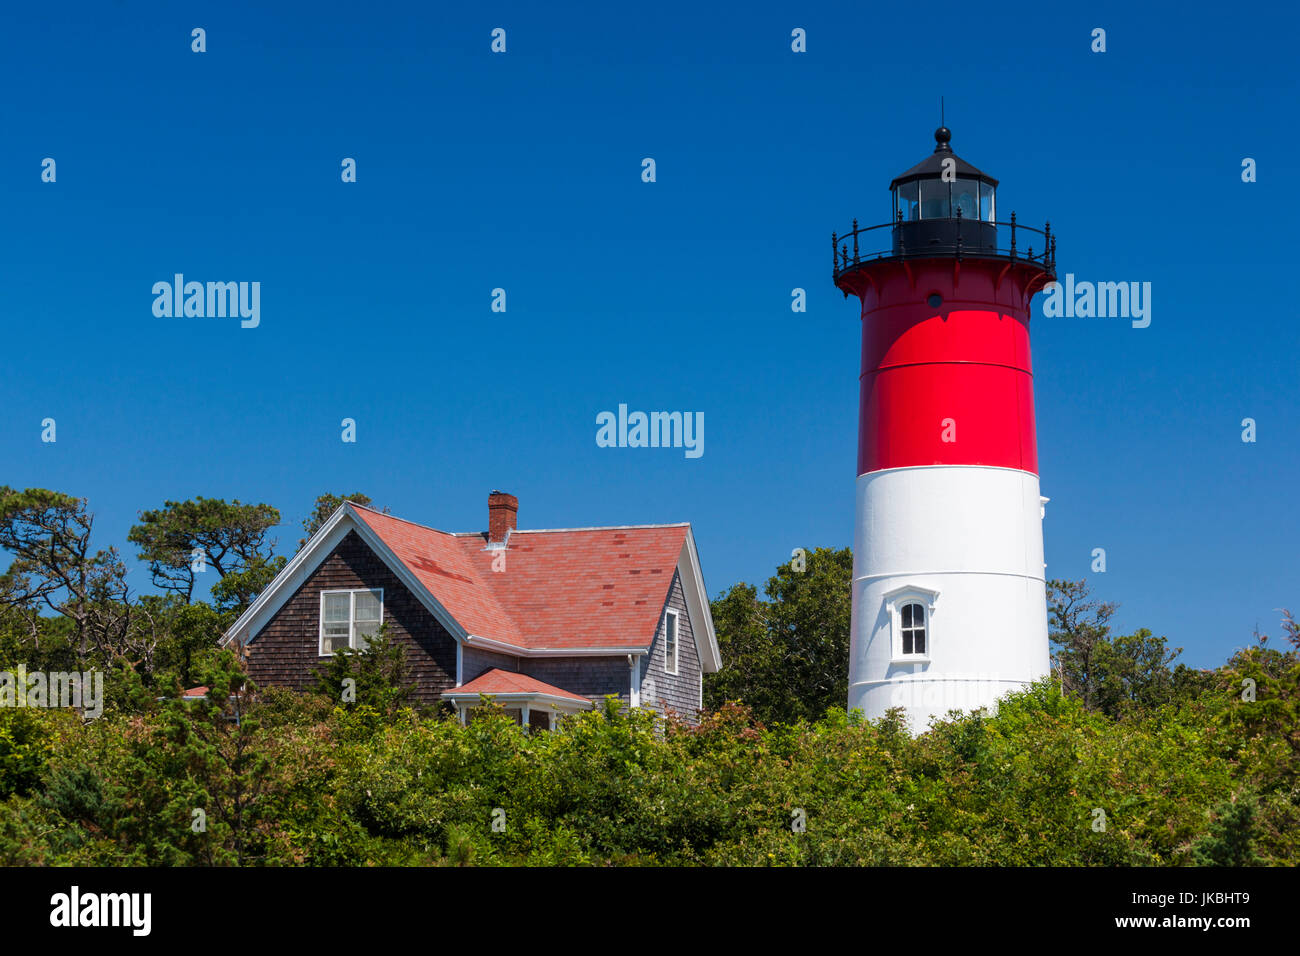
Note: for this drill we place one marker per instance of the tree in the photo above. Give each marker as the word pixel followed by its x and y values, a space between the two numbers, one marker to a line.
pixel 1141 674
pixel 1263 685
pixel 787 657
pixel 192 631
pixel 378 672
pixel 325 506
pixel 238 589
pixel 810 621
pixel 197 782
pixel 49 535
pixel 20 613
pixel 1110 674
pixel 1231 837
pixel 228 535
pixel 750 657
pixel 1079 628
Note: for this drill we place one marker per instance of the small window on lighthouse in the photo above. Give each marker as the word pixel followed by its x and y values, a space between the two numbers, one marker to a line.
pixel 910 612
pixel 913 629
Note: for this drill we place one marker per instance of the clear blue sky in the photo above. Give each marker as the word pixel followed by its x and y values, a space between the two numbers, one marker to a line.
pixel 522 171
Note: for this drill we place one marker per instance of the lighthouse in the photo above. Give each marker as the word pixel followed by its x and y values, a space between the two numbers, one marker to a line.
pixel 949 594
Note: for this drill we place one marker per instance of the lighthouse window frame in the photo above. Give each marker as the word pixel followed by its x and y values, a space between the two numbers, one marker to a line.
pixel 907 628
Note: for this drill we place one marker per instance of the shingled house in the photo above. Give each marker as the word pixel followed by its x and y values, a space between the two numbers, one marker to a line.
pixel 544 622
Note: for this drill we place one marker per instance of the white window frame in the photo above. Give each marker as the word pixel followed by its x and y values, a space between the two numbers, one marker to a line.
pixel 352 616
pixel 677 642
pixel 895 601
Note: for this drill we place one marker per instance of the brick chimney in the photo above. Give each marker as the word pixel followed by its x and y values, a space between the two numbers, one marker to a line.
pixel 503 511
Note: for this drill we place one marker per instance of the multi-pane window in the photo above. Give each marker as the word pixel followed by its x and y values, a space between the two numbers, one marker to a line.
pixel 912 628
pixel 670 642
pixel 349 618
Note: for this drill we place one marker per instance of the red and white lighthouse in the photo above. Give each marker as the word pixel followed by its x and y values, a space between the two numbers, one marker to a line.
pixel 949 599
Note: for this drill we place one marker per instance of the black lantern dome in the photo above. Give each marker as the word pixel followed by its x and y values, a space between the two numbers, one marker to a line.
pixel 945 208
pixel 933 195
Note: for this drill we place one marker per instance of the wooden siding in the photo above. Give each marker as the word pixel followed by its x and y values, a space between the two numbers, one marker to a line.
pixel 286 651
pixel 680 692
pixel 475 662
pixel 592 677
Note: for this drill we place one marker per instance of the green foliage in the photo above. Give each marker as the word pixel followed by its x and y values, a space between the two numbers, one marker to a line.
pixel 1184 767
pixel 751 660
pixel 1231 837
pixel 237 589
pixel 294 781
pixel 230 536
pixel 48 534
pixel 191 632
pixel 376 676
pixel 26 744
pixel 786 657
pixel 1114 675
pixel 325 506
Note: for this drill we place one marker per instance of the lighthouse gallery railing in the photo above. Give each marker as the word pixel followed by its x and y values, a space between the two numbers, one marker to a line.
pixel 1042 238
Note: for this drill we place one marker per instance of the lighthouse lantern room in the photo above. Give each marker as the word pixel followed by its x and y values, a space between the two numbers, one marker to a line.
pixel 949 595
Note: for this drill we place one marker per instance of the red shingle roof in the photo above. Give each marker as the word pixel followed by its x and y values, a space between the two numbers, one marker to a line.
pixel 497 681
pixel 572 589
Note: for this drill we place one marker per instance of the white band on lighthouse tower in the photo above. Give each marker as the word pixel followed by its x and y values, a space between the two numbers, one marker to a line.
pixel 949 602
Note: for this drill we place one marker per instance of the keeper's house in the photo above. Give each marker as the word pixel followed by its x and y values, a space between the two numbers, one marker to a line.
pixel 544 622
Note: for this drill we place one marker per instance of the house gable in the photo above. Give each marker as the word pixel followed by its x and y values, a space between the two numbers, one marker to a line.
pixel 695 599
pixel 285 651
pixel 679 692
pixel 294 574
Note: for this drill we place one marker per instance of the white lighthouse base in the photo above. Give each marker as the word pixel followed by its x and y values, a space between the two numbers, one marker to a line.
pixel 965 543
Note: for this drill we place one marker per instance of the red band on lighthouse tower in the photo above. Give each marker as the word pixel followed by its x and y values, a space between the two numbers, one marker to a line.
pixel 950 384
